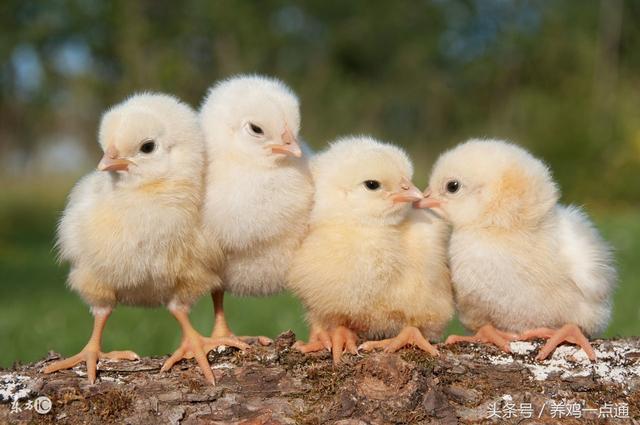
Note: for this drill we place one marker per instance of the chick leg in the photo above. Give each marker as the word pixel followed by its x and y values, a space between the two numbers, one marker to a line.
pixel 410 335
pixel 221 329
pixel 341 339
pixel 195 345
pixel 487 335
pixel 568 333
pixel 91 353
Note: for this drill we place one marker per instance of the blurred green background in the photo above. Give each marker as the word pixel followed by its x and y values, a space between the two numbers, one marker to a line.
pixel 559 77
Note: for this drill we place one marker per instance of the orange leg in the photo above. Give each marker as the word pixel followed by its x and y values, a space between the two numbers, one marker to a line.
pixel 195 345
pixel 221 329
pixel 487 335
pixel 409 335
pixel 568 333
pixel 339 340
pixel 91 353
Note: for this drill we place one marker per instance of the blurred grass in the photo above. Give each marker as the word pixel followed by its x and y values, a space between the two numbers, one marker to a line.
pixel 38 313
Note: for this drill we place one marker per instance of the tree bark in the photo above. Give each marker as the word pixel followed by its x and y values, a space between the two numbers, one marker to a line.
pixel 467 383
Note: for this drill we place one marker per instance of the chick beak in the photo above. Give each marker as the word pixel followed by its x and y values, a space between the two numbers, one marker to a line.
pixel 111 161
pixel 289 145
pixel 407 193
pixel 428 201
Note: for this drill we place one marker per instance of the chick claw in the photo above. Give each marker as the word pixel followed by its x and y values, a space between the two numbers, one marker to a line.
pixel 318 339
pixel 90 355
pixel 262 340
pixel 407 336
pixel 568 333
pixel 196 345
pixel 486 335
pixel 339 340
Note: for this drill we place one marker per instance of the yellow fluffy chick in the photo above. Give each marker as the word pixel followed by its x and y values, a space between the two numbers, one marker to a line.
pixel 259 190
pixel 371 264
pixel 131 228
pixel 520 262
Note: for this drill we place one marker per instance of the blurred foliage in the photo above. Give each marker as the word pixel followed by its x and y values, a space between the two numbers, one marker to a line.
pixel 560 77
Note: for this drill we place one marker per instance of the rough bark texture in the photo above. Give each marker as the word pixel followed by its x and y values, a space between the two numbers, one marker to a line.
pixel 276 384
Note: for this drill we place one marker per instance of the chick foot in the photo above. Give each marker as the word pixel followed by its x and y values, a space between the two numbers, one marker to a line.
pixel 409 335
pixel 568 333
pixel 318 339
pixel 486 335
pixel 195 345
pixel 341 339
pixel 221 329
pixel 91 353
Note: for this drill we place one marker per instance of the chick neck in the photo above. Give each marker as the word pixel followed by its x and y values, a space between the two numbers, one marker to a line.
pixel 185 181
pixel 322 218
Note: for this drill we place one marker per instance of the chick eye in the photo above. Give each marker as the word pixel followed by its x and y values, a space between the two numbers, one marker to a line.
pixel 372 184
pixel 453 186
pixel 148 147
pixel 256 129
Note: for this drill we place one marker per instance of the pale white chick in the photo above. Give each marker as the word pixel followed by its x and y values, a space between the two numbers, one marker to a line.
pixel 371 265
pixel 131 228
pixel 520 262
pixel 259 190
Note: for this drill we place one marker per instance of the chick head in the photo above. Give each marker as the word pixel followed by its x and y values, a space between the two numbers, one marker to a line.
pixel 490 183
pixel 253 117
pixel 150 136
pixel 363 180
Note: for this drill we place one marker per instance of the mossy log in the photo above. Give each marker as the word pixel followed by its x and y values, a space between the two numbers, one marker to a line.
pixel 468 383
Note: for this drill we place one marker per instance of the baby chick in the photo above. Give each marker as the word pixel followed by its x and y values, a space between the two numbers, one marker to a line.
pixel 520 262
pixel 130 229
pixel 259 190
pixel 371 264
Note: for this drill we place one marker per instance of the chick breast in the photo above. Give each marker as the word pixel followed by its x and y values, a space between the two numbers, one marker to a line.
pixel 427 279
pixel 260 218
pixel 136 246
pixel 376 279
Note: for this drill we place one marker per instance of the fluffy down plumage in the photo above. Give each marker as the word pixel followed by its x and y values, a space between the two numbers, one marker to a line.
pixel 519 260
pixel 132 231
pixel 133 237
pixel 371 263
pixel 257 199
